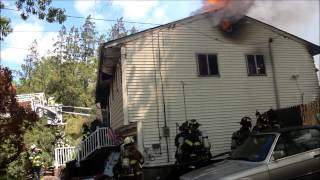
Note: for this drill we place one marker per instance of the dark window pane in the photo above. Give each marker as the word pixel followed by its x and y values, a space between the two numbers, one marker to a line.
pixel 294 145
pixel 251 65
pixel 315 138
pixel 281 146
pixel 255 148
pixel 306 139
pixel 213 65
pixel 260 65
pixel 202 62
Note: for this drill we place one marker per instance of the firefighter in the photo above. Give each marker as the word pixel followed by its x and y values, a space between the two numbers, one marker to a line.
pixel 192 144
pixel 241 135
pixel 266 121
pixel 131 160
pixel 194 138
pixel 273 120
pixel 180 140
pixel 36 161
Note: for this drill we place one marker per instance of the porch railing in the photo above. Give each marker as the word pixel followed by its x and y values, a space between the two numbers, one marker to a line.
pixel 96 140
pixel 63 155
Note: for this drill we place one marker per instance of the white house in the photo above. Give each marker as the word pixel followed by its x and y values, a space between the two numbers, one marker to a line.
pixel 192 69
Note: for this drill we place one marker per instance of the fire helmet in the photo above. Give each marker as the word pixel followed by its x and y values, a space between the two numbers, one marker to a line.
pixel 184 126
pixel 128 140
pixel 194 124
pixel 246 121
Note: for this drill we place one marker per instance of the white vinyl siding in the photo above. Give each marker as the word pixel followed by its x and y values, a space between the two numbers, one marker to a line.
pixel 116 100
pixel 217 103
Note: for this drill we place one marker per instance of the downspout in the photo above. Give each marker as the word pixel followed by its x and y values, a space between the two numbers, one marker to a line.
pixel 184 101
pixel 157 95
pixel 275 84
pixel 163 100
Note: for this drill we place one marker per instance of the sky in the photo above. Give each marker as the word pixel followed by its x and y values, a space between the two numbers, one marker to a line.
pixel 299 17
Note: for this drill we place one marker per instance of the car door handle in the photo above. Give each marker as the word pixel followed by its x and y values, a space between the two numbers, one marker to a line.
pixel 316 156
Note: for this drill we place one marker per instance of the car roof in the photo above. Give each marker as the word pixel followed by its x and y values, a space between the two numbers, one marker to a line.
pixel 284 130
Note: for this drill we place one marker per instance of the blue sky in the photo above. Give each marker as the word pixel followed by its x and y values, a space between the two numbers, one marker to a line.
pixel 299 17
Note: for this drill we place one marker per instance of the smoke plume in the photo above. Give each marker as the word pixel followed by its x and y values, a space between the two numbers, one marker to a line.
pixel 233 10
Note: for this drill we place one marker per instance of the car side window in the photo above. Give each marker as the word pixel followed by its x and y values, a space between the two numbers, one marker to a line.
pixel 305 139
pixel 309 139
pixel 281 146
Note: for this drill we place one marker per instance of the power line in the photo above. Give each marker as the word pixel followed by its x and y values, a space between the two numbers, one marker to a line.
pixel 96 19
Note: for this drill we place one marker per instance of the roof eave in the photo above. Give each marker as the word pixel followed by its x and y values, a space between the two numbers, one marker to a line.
pixel 313 48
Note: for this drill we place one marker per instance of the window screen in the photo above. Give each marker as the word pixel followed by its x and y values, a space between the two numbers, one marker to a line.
pixel 202 62
pixel 208 64
pixel 256 65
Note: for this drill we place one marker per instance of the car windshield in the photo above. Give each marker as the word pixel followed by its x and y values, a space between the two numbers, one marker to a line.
pixel 255 148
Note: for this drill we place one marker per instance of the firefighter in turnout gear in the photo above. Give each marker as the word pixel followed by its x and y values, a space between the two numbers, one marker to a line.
pixel 131 160
pixel 241 135
pixel 266 121
pixel 36 161
pixel 192 145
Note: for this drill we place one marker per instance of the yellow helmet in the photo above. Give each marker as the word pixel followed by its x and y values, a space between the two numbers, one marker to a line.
pixel 128 140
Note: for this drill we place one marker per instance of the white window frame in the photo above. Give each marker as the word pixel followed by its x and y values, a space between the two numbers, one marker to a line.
pixel 256 64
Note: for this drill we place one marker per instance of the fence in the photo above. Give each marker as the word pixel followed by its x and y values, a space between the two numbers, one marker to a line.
pixel 63 155
pixel 311 112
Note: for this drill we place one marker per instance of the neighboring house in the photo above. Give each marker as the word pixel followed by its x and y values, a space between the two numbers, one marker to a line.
pixel 192 69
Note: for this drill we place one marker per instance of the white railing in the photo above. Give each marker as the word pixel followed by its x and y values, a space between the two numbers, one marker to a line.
pixel 94 141
pixel 63 155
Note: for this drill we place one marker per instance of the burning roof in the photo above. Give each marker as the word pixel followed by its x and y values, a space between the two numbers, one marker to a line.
pixel 226 14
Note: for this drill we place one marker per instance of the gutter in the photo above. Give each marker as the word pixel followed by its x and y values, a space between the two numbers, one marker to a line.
pixel 274 78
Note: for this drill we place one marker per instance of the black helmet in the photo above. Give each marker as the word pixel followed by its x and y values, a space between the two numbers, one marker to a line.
pixel 246 121
pixel 184 126
pixel 194 124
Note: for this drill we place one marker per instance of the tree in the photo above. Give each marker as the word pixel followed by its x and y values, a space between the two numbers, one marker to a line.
pixel 30 63
pixel 5 27
pixel 118 30
pixel 40 8
pixel 88 39
pixel 14 120
pixel 59 45
pixel 43 137
pixel 133 30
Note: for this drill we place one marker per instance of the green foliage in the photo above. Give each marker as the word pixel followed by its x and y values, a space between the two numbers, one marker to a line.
pixel 74 128
pixel 118 30
pixel 44 138
pixel 40 8
pixel 5 27
pixel 14 120
pixel 19 169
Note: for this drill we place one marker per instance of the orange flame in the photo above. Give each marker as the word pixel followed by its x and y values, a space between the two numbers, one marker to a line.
pixel 211 5
pixel 218 3
pixel 226 25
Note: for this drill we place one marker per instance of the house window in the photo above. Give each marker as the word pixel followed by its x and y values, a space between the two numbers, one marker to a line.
pixel 256 65
pixel 208 64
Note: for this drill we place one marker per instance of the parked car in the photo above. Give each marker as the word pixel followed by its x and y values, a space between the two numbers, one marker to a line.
pixel 291 153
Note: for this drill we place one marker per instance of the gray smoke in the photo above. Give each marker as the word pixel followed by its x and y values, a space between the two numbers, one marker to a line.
pixel 233 10
pixel 299 17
